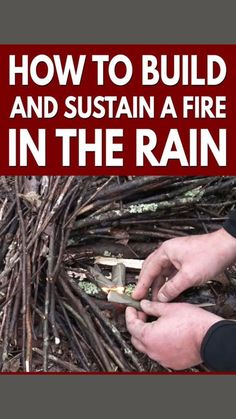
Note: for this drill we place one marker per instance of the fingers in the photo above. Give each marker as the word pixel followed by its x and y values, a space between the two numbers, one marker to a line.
pixel 151 270
pixel 156 286
pixel 167 273
pixel 142 316
pixel 152 308
pixel 172 288
pixel 135 326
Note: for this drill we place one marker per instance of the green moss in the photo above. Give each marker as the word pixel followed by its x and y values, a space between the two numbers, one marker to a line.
pixel 89 287
pixel 194 192
pixel 129 289
pixel 142 208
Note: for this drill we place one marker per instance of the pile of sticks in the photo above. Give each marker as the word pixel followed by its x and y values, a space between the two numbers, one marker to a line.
pixel 52 226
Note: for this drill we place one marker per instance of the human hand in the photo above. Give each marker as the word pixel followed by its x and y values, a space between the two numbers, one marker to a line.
pixel 186 261
pixel 174 340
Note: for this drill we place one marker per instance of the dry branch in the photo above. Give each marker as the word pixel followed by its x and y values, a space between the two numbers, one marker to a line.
pixel 115 297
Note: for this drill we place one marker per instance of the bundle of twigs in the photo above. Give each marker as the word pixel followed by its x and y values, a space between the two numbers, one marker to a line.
pixel 137 215
pixel 51 226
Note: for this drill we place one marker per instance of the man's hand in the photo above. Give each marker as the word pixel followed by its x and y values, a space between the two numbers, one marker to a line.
pixel 186 262
pixel 174 340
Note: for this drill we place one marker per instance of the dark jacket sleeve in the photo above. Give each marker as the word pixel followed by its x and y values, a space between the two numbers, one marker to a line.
pixel 230 224
pixel 218 349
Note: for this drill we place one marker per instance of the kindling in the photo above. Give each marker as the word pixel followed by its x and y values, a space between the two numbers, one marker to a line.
pixel 108 148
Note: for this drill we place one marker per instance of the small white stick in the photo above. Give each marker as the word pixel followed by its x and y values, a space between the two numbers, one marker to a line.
pixel 129 263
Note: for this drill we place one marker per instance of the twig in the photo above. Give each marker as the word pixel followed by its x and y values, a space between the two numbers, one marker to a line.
pixel 87 320
pixel 81 355
pixel 67 365
pixel 26 350
pixel 117 356
pixel 113 329
pixel 118 275
pixel 115 297
pixel 129 263
pixel 45 326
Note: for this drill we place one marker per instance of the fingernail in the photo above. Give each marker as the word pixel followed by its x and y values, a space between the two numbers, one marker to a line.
pixel 145 303
pixel 162 298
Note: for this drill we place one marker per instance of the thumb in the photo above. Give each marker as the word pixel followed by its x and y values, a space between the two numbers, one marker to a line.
pixel 153 308
pixel 173 287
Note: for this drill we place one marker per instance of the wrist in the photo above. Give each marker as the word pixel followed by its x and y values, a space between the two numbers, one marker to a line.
pixel 205 324
pixel 225 243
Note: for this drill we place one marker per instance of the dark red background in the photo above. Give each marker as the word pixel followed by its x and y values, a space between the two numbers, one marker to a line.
pixel 133 88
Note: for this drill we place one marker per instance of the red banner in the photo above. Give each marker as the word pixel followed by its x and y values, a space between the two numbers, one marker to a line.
pixel 117 109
